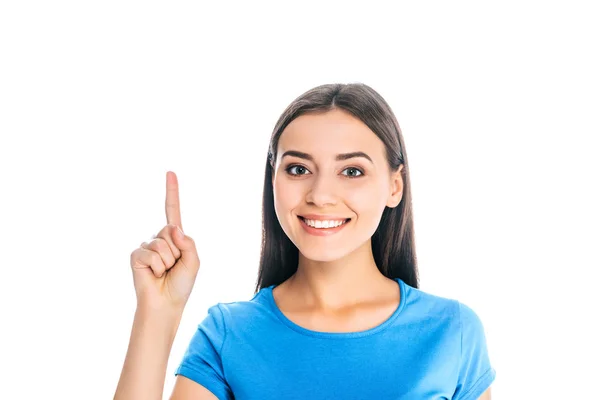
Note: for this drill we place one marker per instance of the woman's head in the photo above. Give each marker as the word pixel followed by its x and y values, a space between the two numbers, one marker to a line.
pixel 337 150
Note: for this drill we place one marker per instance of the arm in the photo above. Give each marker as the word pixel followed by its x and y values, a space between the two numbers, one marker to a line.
pixel 144 370
pixel 164 272
pixel 145 366
pixel 188 389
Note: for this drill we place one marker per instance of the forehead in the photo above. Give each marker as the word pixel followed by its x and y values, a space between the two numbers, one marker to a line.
pixel 335 131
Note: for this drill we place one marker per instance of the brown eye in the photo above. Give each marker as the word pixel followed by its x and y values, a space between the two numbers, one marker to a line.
pixel 300 170
pixel 354 172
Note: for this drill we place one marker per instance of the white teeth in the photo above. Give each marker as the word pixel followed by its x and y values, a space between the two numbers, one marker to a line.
pixel 323 224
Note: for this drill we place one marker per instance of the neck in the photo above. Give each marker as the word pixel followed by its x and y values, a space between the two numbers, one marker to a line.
pixel 333 285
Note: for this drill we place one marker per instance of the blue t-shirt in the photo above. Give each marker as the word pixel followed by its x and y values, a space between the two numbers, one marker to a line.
pixel 430 348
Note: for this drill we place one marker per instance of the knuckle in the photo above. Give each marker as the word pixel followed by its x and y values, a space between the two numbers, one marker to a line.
pixel 134 257
pixel 156 260
pixel 163 233
pixel 157 245
pixel 134 254
pixel 161 243
pixel 163 248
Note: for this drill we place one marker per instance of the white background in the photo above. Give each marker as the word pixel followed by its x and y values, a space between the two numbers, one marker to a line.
pixel 498 103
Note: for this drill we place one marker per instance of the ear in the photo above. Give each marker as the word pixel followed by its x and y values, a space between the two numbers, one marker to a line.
pixel 397 186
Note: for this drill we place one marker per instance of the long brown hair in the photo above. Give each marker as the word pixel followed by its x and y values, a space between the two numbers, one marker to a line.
pixel 393 243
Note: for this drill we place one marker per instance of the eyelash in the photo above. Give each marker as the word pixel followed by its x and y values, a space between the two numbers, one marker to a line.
pixel 302 166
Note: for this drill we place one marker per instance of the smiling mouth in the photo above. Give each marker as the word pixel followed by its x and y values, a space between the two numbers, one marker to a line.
pixel 303 220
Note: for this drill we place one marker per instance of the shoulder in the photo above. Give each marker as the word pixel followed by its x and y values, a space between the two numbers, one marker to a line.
pixel 241 308
pixel 435 303
pixel 238 314
pixel 469 320
pixel 429 304
pixel 452 313
pixel 223 320
pixel 464 328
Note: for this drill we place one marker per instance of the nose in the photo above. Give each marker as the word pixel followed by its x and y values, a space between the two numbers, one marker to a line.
pixel 322 191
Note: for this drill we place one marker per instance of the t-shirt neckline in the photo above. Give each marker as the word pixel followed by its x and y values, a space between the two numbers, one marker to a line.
pixel 337 335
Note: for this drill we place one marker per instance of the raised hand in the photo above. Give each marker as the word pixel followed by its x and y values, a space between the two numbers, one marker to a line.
pixel 165 269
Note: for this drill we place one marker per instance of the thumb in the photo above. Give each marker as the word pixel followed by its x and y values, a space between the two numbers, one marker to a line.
pixel 185 244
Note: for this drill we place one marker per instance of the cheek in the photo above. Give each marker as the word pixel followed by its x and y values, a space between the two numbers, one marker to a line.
pixel 362 203
pixel 368 201
pixel 286 196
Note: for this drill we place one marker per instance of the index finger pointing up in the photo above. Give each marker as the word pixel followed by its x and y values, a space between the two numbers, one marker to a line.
pixel 172 201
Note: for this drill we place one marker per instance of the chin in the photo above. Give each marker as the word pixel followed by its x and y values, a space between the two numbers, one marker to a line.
pixel 313 253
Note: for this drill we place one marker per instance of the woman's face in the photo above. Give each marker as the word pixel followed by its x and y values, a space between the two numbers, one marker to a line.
pixel 331 166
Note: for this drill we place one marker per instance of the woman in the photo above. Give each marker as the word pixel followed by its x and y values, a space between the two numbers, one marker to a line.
pixel 337 312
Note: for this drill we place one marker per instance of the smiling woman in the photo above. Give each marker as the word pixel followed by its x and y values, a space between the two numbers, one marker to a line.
pixel 345 173
pixel 337 310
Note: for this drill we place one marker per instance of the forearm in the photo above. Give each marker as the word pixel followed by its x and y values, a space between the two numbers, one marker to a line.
pixel 145 366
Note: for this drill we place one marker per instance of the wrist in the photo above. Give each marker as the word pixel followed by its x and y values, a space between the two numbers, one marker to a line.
pixel 159 308
pixel 165 319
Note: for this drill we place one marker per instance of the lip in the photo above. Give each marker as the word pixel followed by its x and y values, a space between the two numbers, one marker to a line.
pixel 322 231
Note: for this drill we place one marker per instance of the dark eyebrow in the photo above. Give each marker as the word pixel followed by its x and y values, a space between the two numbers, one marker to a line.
pixel 339 157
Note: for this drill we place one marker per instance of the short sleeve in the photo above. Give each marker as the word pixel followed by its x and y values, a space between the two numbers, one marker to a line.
pixel 202 361
pixel 475 373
